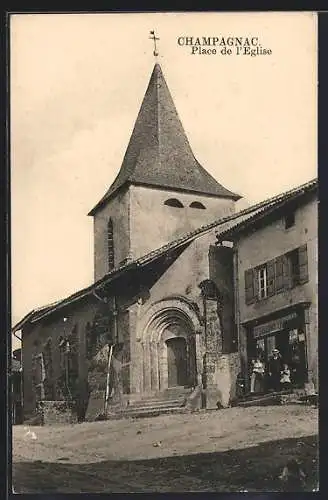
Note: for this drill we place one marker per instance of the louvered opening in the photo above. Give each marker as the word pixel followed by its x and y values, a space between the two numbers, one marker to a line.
pixel 173 202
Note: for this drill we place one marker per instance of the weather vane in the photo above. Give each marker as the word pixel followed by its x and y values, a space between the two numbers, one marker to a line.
pixel 154 38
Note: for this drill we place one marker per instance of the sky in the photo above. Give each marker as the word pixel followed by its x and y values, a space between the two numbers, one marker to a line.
pixel 77 82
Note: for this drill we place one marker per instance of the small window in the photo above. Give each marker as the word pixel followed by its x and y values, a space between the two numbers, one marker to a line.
pixel 289 220
pixel 262 282
pixel 173 202
pixel 110 245
pixel 197 204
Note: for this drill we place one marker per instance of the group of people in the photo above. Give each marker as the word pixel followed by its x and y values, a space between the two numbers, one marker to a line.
pixel 276 375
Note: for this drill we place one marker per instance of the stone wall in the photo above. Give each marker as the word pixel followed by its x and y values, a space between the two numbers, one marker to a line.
pixel 147 204
pixel 118 210
pixel 227 369
pixel 221 273
pixel 35 338
pixel 97 381
pixel 56 413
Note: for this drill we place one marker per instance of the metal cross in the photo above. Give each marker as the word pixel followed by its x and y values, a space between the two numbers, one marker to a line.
pixel 154 38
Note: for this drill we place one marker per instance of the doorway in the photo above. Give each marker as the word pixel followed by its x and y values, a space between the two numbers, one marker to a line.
pixel 177 361
pixel 291 344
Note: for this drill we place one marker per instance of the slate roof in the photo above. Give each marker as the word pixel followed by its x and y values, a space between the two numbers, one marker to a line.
pixel 271 206
pixel 159 153
pixel 223 225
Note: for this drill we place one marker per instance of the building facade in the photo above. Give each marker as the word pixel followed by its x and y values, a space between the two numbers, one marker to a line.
pixel 276 284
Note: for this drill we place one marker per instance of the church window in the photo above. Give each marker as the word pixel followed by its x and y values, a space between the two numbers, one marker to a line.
pixel 47 356
pixel 197 204
pixel 110 245
pixel 69 349
pixel 173 202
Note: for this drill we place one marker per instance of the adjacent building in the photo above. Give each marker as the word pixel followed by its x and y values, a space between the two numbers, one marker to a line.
pixel 276 283
pixel 16 388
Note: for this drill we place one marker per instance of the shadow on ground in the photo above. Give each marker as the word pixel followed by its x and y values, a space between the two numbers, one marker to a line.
pixel 253 469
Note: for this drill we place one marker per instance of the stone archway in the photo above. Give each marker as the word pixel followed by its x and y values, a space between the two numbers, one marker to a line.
pixel 168 335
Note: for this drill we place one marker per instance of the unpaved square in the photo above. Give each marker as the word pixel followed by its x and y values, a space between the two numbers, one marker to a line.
pixel 226 450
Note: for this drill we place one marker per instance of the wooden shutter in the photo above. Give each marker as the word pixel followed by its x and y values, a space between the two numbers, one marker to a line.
pixel 287 272
pixel 303 265
pixel 279 273
pixel 270 278
pixel 256 283
pixel 249 286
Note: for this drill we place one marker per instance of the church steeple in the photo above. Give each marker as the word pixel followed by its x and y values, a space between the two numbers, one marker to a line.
pixel 159 153
pixel 160 191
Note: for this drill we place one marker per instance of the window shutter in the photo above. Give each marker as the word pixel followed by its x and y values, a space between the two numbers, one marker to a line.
pixel 256 284
pixel 287 273
pixel 270 278
pixel 303 265
pixel 279 273
pixel 249 286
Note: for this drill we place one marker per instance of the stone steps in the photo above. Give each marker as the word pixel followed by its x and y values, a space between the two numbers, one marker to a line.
pixel 156 403
pixel 272 398
pixel 146 412
pixel 175 392
pixel 163 403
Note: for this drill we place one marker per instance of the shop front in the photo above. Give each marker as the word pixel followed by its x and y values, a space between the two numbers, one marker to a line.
pixel 281 335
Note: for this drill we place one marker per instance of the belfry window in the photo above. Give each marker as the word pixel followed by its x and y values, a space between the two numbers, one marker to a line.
pixel 110 245
pixel 173 202
pixel 197 204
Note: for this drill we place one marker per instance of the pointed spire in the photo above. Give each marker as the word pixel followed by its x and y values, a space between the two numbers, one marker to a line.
pixel 159 153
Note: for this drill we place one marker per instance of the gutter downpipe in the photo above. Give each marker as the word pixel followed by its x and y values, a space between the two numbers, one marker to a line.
pixel 110 355
pixel 237 309
pixel 17 337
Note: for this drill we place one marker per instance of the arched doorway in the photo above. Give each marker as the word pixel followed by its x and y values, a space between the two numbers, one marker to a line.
pixel 177 374
pixel 168 346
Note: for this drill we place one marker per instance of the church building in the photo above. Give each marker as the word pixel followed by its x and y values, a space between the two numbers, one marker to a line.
pixel 157 328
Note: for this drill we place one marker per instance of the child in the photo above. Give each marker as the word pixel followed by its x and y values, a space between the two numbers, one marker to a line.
pixel 285 377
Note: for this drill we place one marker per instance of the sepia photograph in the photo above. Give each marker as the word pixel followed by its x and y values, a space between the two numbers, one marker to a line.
pixel 164 252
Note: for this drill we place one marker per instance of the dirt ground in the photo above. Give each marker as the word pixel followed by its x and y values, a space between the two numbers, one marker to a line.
pixel 237 449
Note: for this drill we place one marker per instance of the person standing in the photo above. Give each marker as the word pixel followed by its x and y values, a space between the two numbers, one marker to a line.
pixel 275 368
pixel 257 375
